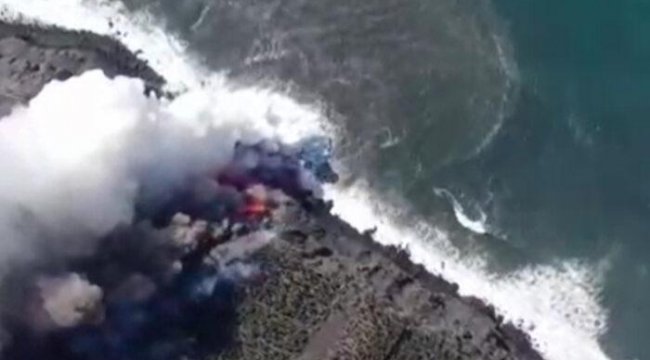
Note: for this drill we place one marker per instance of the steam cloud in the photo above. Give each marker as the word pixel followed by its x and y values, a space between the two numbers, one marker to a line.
pixel 93 174
pixel 68 300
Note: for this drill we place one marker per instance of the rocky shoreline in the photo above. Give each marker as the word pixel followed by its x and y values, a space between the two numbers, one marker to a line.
pixel 331 292
pixel 31 56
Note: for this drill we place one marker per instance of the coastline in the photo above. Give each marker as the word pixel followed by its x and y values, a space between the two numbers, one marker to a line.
pixel 360 299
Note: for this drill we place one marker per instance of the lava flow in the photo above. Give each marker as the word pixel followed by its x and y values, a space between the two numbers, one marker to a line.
pixel 161 287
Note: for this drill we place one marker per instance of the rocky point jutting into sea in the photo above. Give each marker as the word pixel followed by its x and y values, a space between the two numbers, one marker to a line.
pixel 306 284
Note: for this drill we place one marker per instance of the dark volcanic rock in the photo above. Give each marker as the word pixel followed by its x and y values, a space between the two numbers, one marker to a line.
pixel 30 57
pixel 330 292
pixel 333 293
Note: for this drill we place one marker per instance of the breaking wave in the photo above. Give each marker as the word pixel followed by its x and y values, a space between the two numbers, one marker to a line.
pixel 557 305
pixel 478 226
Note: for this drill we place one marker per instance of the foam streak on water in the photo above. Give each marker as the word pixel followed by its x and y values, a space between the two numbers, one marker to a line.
pixel 478 226
pixel 557 305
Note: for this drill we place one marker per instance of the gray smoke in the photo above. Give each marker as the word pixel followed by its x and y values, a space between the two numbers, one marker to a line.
pixel 76 158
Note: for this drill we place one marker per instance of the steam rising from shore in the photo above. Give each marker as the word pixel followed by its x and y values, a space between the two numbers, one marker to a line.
pixel 74 159
pixel 78 157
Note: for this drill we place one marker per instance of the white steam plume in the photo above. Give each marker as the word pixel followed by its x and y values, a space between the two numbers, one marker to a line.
pixel 75 157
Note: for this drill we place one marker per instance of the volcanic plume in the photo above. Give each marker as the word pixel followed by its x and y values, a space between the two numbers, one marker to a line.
pixel 126 221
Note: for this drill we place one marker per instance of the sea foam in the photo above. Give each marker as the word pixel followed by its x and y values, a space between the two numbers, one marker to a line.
pixel 478 226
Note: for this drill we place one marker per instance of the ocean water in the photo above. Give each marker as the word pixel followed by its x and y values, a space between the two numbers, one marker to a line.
pixel 502 143
pixel 569 174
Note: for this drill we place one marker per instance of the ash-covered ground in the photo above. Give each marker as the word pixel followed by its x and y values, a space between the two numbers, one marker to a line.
pixel 240 260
